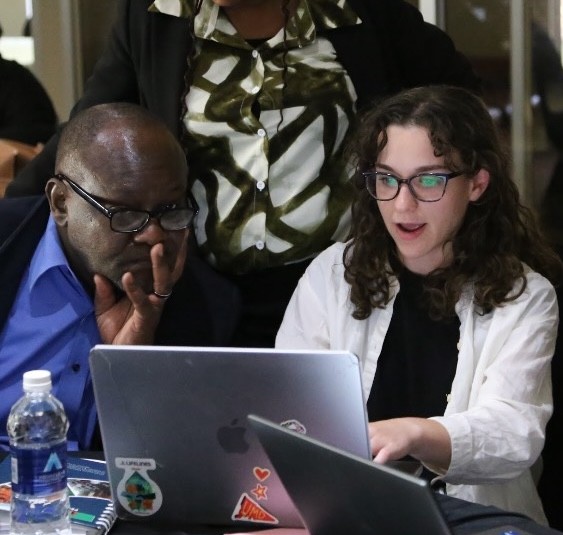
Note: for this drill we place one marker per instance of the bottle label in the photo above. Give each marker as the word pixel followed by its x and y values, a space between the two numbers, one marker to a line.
pixel 39 471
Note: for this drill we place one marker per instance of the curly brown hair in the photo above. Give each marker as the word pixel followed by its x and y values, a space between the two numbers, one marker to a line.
pixel 498 233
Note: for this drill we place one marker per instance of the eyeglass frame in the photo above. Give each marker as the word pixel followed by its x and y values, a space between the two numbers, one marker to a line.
pixel 109 213
pixel 408 181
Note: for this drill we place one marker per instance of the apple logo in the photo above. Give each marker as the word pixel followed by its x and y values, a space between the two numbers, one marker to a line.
pixel 231 438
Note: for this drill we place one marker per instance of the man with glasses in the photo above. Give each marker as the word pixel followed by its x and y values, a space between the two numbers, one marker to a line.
pixel 96 259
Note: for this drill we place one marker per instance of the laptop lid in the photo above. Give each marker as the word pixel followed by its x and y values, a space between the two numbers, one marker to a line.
pixel 175 434
pixel 338 493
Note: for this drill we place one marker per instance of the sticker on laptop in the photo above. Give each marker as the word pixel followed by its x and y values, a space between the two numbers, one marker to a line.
pixel 136 491
pixel 294 425
pixel 247 510
pixel 261 474
pixel 260 492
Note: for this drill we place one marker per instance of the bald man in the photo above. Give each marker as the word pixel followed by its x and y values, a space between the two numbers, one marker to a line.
pixel 97 259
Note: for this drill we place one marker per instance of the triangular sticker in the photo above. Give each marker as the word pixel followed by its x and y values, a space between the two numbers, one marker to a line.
pixel 247 510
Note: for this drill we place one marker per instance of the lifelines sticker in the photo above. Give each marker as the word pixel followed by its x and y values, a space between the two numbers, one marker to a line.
pixel 136 491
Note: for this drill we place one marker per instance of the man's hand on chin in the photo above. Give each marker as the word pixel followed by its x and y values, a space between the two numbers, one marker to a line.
pixel 133 317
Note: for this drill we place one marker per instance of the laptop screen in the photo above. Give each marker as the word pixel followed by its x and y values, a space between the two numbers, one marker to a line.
pixel 175 434
pixel 338 493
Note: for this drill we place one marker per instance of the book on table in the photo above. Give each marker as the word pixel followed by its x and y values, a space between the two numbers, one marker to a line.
pixel 91 506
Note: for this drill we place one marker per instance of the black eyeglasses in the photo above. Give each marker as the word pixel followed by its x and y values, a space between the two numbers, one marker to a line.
pixel 170 217
pixel 426 187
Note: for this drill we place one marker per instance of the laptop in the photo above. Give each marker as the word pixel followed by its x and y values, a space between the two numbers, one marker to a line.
pixel 176 439
pixel 338 493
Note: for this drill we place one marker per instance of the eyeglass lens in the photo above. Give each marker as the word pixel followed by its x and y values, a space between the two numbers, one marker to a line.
pixel 132 220
pixel 425 187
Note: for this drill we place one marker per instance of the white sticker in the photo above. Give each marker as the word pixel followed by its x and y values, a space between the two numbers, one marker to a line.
pixel 137 492
pixel 294 425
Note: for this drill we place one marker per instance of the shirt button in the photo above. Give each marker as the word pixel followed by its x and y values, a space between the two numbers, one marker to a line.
pixel 75 367
pixel 260 185
pixel 261 132
pixel 259 245
pixel 255 53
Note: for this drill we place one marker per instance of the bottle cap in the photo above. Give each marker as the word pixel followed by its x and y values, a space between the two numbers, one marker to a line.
pixel 37 381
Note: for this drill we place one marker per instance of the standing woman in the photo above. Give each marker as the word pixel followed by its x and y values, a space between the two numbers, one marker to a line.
pixel 444 293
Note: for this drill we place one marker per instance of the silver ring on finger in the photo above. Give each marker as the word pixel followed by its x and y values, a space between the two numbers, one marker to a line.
pixel 162 296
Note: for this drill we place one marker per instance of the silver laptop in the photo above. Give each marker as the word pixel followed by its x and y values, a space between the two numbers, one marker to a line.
pixel 338 493
pixel 173 422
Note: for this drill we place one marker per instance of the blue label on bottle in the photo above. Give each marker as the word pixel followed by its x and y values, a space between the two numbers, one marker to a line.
pixel 39 471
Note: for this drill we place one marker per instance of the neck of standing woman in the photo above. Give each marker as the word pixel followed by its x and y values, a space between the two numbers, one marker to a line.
pixel 259 19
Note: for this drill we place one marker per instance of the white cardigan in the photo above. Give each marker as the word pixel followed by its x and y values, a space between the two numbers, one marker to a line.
pixel 500 400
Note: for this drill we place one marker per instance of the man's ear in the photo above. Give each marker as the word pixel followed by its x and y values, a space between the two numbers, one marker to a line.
pixel 56 192
pixel 479 183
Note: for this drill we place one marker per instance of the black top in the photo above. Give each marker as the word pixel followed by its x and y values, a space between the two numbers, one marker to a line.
pixel 418 360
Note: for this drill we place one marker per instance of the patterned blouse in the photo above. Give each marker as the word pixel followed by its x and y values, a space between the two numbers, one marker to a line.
pixel 266 127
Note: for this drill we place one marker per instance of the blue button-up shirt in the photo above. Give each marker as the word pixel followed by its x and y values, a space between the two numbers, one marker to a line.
pixel 51 326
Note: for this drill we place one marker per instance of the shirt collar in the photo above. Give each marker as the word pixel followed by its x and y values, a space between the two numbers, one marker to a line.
pixel 309 17
pixel 48 255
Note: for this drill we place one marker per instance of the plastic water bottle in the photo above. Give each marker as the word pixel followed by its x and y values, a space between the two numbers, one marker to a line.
pixel 37 427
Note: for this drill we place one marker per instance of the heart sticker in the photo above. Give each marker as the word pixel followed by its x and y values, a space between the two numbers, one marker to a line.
pixel 261 474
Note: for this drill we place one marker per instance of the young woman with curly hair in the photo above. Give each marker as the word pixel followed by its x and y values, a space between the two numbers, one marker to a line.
pixel 443 291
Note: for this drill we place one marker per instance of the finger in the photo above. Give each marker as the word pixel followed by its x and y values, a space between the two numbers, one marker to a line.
pixel 375 447
pixel 147 307
pixel 135 293
pixel 104 294
pixel 180 259
pixel 162 280
pixel 382 456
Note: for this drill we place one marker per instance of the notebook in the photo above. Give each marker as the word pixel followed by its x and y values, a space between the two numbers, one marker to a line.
pixel 338 493
pixel 91 506
pixel 176 439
